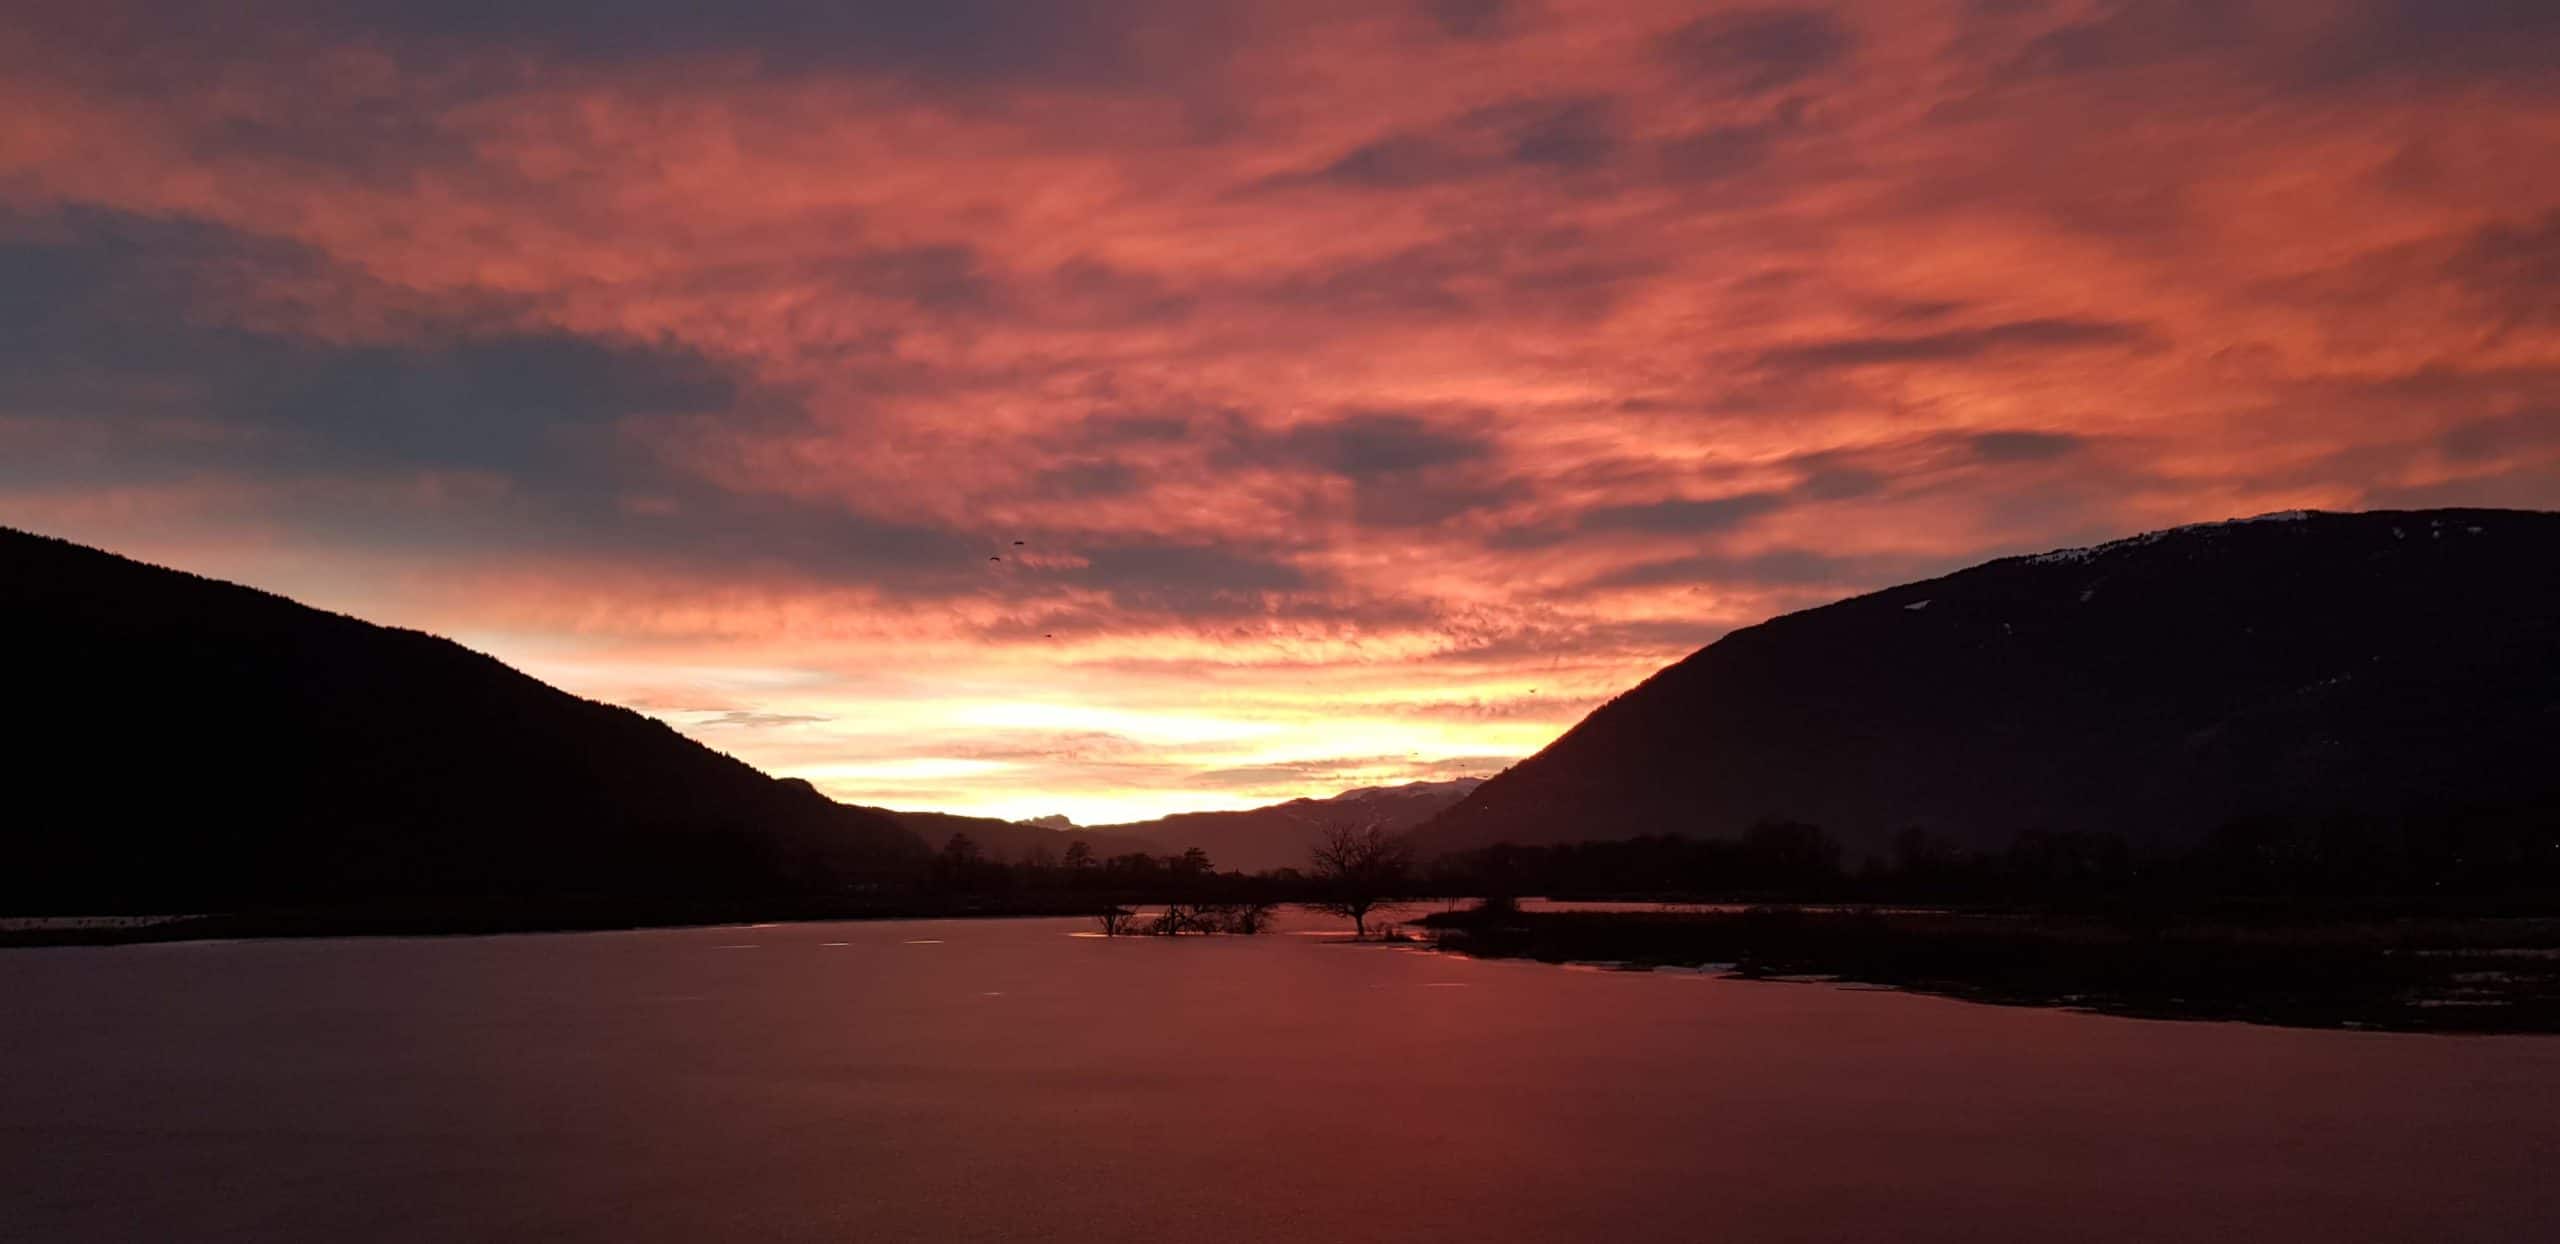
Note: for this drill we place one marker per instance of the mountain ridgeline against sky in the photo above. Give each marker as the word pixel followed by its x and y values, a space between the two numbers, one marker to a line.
pixel 189 744
pixel 1282 835
pixel 200 745
pixel 1018 842
pixel 1279 835
pixel 2385 664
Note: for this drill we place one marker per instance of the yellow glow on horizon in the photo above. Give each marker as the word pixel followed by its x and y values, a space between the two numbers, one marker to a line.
pixel 1147 727
pixel 924 768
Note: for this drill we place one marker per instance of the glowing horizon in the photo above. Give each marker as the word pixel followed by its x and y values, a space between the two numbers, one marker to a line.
pixel 1118 407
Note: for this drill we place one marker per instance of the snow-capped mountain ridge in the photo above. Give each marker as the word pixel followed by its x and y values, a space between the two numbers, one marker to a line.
pixel 2393 663
pixel 2088 552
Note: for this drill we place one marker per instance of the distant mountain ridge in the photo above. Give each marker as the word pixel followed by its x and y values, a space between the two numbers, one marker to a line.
pixel 1016 842
pixel 201 745
pixel 2394 663
pixel 1281 835
pixel 1244 840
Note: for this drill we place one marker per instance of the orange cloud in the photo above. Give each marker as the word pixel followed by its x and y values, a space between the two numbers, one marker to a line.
pixel 1370 390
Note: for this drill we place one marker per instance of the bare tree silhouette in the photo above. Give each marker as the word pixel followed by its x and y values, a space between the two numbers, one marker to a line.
pixel 1360 868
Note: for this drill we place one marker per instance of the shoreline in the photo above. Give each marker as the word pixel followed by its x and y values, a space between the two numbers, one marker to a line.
pixel 495 918
pixel 2417 973
pixel 2478 976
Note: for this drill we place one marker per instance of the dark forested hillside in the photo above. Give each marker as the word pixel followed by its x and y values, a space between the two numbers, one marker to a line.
pixel 2381 665
pixel 186 744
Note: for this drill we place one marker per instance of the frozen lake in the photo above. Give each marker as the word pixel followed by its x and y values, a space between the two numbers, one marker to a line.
pixel 1011 1080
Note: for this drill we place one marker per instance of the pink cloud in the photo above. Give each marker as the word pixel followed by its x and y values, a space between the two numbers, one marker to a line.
pixel 1417 357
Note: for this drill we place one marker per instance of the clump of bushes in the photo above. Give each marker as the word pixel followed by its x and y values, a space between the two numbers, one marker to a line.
pixel 1247 917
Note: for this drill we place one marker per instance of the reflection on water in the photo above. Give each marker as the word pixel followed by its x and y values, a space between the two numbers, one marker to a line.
pixel 1012 1080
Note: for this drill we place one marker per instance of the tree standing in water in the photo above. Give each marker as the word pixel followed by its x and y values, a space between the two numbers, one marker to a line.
pixel 1359 869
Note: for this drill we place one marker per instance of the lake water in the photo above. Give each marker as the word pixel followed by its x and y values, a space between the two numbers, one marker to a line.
pixel 1008 1080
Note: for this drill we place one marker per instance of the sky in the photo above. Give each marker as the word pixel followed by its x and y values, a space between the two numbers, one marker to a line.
pixel 1113 408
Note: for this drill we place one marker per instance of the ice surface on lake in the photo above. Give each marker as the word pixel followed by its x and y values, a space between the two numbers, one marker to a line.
pixel 1022 1083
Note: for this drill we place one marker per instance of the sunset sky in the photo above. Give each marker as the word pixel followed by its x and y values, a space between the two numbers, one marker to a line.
pixel 1024 407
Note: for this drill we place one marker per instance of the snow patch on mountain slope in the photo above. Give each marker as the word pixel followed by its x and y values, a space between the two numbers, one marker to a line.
pixel 2069 556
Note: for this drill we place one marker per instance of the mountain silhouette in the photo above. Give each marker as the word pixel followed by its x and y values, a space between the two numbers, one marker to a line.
pixel 1280 835
pixel 1017 842
pixel 2386 664
pixel 193 745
